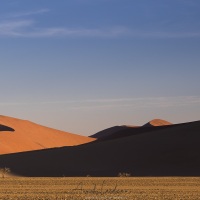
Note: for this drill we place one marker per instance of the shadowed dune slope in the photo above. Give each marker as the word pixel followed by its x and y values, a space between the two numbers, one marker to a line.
pixel 5 128
pixel 124 131
pixel 129 131
pixel 20 135
pixel 174 151
pixel 108 132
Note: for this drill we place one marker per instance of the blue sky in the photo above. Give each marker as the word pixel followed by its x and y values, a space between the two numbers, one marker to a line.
pixel 85 65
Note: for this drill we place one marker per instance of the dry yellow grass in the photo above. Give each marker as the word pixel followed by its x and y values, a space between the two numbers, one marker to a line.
pixel 99 188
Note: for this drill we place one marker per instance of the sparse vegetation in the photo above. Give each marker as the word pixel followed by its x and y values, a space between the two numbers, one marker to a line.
pixel 124 174
pixel 99 188
pixel 4 171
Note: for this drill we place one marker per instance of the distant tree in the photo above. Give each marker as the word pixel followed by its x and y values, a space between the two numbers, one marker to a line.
pixel 4 171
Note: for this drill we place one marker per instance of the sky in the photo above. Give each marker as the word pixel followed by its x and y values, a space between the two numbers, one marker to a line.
pixel 85 65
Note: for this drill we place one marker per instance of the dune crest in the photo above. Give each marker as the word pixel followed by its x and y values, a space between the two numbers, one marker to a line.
pixel 157 122
pixel 108 131
pixel 18 135
pixel 128 130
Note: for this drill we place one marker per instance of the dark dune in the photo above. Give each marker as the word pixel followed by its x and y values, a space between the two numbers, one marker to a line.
pixel 109 131
pixel 129 131
pixel 172 151
pixel 124 131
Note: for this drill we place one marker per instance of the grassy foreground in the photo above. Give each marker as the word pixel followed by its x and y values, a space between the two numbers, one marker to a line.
pixel 90 188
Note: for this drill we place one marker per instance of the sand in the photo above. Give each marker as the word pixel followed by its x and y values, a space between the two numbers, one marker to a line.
pixel 18 135
pixel 127 130
pixel 157 122
pixel 156 151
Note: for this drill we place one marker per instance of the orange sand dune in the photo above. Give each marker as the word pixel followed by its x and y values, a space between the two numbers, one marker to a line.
pixel 157 122
pixel 20 135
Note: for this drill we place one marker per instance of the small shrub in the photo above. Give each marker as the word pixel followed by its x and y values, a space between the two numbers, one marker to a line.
pixel 4 171
pixel 123 174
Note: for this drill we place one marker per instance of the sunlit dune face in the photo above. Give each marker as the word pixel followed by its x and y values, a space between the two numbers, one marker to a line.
pixel 20 135
pixel 158 122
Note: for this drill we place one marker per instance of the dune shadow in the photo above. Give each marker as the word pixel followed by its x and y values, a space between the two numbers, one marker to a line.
pixel 157 152
pixel 6 128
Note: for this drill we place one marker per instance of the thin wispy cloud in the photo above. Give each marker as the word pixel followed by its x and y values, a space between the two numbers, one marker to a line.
pixel 20 25
pixel 162 34
pixel 132 103
pixel 27 28
pixel 14 28
pixel 27 13
pixel 140 103
pixel 75 32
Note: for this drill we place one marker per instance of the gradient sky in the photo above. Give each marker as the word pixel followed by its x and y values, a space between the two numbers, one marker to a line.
pixel 86 65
